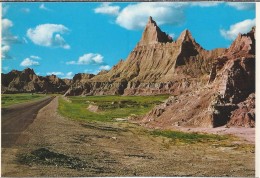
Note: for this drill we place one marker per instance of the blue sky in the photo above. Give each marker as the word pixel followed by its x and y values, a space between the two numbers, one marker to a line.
pixel 69 38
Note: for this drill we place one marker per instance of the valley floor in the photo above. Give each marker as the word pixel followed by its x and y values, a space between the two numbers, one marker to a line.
pixel 57 146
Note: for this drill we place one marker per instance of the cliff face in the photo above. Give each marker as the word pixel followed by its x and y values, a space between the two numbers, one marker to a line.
pixel 227 99
pixel 153 67
pixel 27 81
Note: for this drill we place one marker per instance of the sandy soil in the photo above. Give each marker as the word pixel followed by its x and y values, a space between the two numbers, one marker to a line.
pixel 79 148
pixel 246 134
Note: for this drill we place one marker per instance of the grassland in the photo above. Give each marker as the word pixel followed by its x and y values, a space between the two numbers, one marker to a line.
pixel 10 99
pixel 110 107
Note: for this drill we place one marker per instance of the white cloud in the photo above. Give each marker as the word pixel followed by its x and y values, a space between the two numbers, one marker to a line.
pixel 7 38
pixel 69 75
pixel 48 35
pixel 242 6
pixel 104 67
pixel 105 8
pixel 35 57
pixel 89 58
pixel 205 4
pixel 43 7
pixel 55 73
pixel 6 24
pixel 135 16
pixel 28 62
pixel 5 50
pixel 240 27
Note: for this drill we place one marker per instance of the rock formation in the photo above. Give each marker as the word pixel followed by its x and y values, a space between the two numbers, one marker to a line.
pixel 153 67
pixel 27 81
pixel 227 99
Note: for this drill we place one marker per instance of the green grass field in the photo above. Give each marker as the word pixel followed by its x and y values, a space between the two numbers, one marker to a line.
pixel 110 107
pixel 10 99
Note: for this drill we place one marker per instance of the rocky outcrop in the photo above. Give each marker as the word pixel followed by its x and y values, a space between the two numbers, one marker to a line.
pixel 27 81
pixel 244 115
pixel 227 99
pixel 153 67
pixel 153 34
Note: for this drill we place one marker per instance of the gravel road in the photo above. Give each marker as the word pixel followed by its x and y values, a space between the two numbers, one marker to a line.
pixel 15 119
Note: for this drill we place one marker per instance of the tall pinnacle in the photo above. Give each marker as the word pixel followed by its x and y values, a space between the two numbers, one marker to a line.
pixel 152 34
pixel 150 20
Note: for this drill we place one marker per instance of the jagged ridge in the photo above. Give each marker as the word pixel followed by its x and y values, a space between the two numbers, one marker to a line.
pixel 150 68
pixel 228 98
pixel 27 81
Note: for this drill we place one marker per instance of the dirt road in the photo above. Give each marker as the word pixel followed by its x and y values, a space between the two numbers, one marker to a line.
pixel 56 146
pixel 15 119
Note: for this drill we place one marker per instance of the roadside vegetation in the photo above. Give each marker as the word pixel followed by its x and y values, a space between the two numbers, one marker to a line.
pixel 107 108
pixel 10 99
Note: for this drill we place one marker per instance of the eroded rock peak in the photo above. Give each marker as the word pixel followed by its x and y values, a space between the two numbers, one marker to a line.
pixel 152 34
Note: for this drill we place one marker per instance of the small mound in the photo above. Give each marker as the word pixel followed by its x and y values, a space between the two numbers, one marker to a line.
pixel 93 108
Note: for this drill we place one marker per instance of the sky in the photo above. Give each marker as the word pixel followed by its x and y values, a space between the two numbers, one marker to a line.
pixel 75 37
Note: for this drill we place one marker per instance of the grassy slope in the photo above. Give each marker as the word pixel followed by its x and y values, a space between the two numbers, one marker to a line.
pixel 124 106
pixel 10 99
pixel 110 106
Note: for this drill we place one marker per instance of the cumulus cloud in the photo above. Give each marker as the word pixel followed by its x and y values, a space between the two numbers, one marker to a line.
pixel 205 4
pixel 28 62
pixel 89 58
pixel 106 8
pixel 163 13
pixel 5 50
pixel 7 38
pixel 69 75
pixel 55 73
pixel 240 27
pixel 104 67
pixel 242 6
pixel 134 16
pixel 48 35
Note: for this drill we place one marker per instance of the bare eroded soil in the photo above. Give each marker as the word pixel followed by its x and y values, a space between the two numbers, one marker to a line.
pixel 56 146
